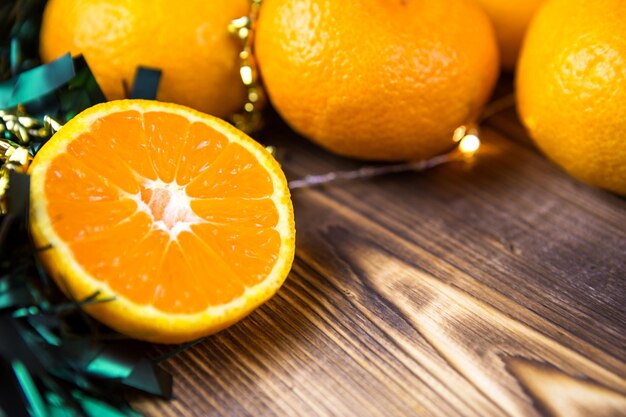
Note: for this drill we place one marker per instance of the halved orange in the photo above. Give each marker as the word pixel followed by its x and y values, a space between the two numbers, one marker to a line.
pixel 181 218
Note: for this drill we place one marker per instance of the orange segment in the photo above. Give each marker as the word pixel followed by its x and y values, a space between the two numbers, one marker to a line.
pixel 237 211
pixel 141 262
pixel 202 256
pixel 250 253
pixel 102 254
pixel 77 220
pixel 66 172
pixel 127 138
pixel 182 219
pixel 234 173
pixel 169 295
pixel 201 149
pixel 166 135
pixel 104 162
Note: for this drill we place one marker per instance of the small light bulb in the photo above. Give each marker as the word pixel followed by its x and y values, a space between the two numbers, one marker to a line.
pixel 469 145
pixel 246 74
pixel 459 133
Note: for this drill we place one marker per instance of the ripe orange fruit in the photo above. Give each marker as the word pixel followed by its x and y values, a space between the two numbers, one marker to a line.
pixel 183 219
pixel 378 80
pixel 187 40
pixel 510 19
pixel 571 88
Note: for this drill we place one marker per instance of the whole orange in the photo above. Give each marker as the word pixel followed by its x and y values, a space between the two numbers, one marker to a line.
pixel 379 80
pixel 571 88
pixel 510 19
pixel 187 40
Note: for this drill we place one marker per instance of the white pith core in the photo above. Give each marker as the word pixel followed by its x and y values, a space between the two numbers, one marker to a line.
pixel 168 205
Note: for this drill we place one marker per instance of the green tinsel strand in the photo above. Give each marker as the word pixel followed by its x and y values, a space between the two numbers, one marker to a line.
pixel 50 355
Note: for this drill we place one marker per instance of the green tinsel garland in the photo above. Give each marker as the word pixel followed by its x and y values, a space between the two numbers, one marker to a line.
pixel 54 359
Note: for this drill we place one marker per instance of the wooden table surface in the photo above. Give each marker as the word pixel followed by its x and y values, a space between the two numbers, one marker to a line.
pixel 496 288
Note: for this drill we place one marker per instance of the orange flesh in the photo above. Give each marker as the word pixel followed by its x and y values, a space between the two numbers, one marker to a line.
pixel 168 213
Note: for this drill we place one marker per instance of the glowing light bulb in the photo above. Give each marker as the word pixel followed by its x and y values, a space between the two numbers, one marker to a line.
pixel 459 133
pixel 469 145
pixel 246 75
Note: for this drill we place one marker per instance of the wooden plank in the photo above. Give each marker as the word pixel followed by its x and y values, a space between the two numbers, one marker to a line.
pixel 490 289
pixel 516 222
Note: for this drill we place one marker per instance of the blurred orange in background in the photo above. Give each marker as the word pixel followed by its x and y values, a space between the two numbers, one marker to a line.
pixel 377 80
pixel 571 88
pixel 187 40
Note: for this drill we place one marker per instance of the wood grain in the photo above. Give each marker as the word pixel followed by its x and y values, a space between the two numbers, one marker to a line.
pixel 488 289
